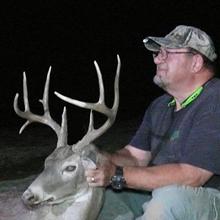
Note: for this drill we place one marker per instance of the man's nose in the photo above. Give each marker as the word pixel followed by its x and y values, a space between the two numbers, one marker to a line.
pixel 158 59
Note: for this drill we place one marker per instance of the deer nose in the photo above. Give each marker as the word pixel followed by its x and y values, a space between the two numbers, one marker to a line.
pixel 29 198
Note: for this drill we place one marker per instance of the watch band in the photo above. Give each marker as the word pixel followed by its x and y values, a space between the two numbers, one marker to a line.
pixel 119 171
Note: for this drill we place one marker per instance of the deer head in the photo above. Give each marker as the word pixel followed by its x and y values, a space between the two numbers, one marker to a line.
pixel 63 176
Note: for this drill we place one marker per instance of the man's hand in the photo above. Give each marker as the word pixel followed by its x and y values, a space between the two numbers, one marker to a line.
pixel 101 176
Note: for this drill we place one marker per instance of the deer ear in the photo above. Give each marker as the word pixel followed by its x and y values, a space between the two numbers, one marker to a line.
pixel 88 163
pixel 89 160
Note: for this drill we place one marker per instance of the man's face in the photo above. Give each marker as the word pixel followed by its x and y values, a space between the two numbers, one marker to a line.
pixel 173 67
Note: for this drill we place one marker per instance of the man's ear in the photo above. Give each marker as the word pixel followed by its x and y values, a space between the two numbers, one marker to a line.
pixel 197 63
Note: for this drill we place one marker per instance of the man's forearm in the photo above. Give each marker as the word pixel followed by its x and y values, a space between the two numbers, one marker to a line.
pixel 150 178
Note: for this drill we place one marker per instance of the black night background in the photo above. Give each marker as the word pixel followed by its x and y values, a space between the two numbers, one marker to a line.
pixel 69 36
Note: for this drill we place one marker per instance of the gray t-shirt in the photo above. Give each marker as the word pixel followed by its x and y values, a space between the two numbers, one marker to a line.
pixel 190 135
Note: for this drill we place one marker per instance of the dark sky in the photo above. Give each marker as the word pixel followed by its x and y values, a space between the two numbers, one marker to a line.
pixel 71 34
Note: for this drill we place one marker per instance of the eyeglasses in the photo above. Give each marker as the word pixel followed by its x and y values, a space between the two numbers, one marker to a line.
pixel 164 53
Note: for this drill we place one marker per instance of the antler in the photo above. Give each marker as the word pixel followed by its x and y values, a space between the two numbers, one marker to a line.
pixel 99 106
pixel 46 119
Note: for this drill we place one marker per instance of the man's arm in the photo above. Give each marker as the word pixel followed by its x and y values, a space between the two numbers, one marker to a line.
pixel 139 176
pixel 127 156
pixel 150 178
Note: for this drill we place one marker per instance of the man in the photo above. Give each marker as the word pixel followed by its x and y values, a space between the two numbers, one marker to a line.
pixel 175 152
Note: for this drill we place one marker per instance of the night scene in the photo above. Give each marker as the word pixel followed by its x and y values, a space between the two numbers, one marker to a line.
pixel 110 110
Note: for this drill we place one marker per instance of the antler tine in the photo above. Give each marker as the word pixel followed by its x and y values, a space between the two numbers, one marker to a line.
pixel 26 102
pixel 62 140
pixel 99 106
pixel 25 93
pixel 45 99
pixel 116 86
pixel 45 118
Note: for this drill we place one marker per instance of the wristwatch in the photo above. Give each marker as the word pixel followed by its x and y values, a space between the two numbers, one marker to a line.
pixel 118 181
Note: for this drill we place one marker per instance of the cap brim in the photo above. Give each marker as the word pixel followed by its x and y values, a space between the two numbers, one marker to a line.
pixel 154 43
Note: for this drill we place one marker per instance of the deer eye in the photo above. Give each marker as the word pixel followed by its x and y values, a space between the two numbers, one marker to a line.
pixel 70 168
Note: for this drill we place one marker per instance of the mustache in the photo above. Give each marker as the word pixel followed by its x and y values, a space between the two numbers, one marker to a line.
pixel 161 68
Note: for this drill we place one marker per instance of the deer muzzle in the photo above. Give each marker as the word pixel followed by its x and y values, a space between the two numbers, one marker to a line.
pixel 31 199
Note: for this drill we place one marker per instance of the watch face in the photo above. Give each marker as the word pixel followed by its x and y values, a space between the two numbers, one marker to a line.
pixel 117 182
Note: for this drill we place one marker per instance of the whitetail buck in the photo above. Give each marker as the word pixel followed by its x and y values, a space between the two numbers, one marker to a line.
pixel 61 190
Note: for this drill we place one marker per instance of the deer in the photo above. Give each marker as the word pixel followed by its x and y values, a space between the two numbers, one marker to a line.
pixel 61 191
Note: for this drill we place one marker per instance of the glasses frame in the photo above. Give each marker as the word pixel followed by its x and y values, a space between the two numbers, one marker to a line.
pixel 163 53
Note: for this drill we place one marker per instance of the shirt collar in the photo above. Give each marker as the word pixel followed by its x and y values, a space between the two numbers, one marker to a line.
pixel 189 99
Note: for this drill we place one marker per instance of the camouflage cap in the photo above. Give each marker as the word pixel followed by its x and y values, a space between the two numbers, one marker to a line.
pixel 184 37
